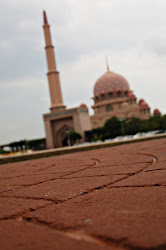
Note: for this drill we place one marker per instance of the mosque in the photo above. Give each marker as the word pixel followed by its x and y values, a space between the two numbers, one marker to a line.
pixel 112 97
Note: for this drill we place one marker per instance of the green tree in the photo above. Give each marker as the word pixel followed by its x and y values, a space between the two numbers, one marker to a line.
pixel 12 146
pixel 94 134
pixel 73 137
pixel 112 128
pixel 163 123
pixel 22 144
pixel 132 126
pixel 155 122
pixel 36 144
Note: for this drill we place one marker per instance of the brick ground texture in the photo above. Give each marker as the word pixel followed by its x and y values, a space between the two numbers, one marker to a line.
pixel 112 198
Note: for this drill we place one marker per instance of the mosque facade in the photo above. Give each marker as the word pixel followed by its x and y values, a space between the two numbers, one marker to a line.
pixel 112 97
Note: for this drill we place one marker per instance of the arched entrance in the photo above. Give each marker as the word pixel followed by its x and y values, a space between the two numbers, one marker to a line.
pixel 63 137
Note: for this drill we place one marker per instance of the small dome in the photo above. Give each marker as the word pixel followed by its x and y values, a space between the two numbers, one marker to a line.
pixel 82 105
pixel 141 101
pixel 144 105
pixel 156 112
pixel 110 82
pixel 131 95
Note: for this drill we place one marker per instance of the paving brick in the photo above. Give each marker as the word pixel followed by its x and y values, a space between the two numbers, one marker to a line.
pixel 109 198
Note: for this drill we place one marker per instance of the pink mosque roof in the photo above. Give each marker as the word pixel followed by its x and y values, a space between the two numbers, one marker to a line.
pixel 156 112
pixel 141 101
pixel 110 82
pixel 144 105
pixel 83 105
pixel 131 95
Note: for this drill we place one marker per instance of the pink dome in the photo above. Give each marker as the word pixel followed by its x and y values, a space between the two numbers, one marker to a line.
pixel 83 105
pixel 131 95
pixel 144 105
pixel 141 101
pixel 110 82
pixel 156 112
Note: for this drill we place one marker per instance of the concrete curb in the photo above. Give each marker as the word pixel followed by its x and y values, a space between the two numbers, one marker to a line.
pixel 73 149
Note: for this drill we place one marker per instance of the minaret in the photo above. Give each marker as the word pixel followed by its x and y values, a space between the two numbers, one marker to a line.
pixel 53 75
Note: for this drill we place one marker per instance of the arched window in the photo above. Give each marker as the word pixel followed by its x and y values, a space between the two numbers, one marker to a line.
pixel 111 95
pixel 108 108
pixel 119 94
pixel 103 97
pixel 125 93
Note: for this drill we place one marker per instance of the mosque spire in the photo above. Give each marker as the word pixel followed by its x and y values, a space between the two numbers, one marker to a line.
pixel 107 64
pixel 45 18
pixel 52 75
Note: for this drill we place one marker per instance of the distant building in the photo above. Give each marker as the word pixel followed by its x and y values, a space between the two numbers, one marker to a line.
pixel 112 97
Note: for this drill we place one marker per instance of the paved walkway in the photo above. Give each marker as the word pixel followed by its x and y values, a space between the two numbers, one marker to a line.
pixel 113 198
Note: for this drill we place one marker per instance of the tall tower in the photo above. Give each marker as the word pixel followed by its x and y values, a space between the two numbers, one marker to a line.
pixel 60 120
pixel 53 75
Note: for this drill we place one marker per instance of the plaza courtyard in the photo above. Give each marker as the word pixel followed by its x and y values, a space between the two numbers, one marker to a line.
pixel 110 198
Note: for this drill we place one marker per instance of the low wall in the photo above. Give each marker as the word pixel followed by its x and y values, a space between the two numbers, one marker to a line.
pixel 73 149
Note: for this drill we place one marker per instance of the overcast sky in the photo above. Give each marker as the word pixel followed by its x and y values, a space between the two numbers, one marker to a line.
pixel 132 33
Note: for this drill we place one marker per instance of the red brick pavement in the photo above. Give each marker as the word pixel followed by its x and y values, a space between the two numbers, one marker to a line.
pixel 113 198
